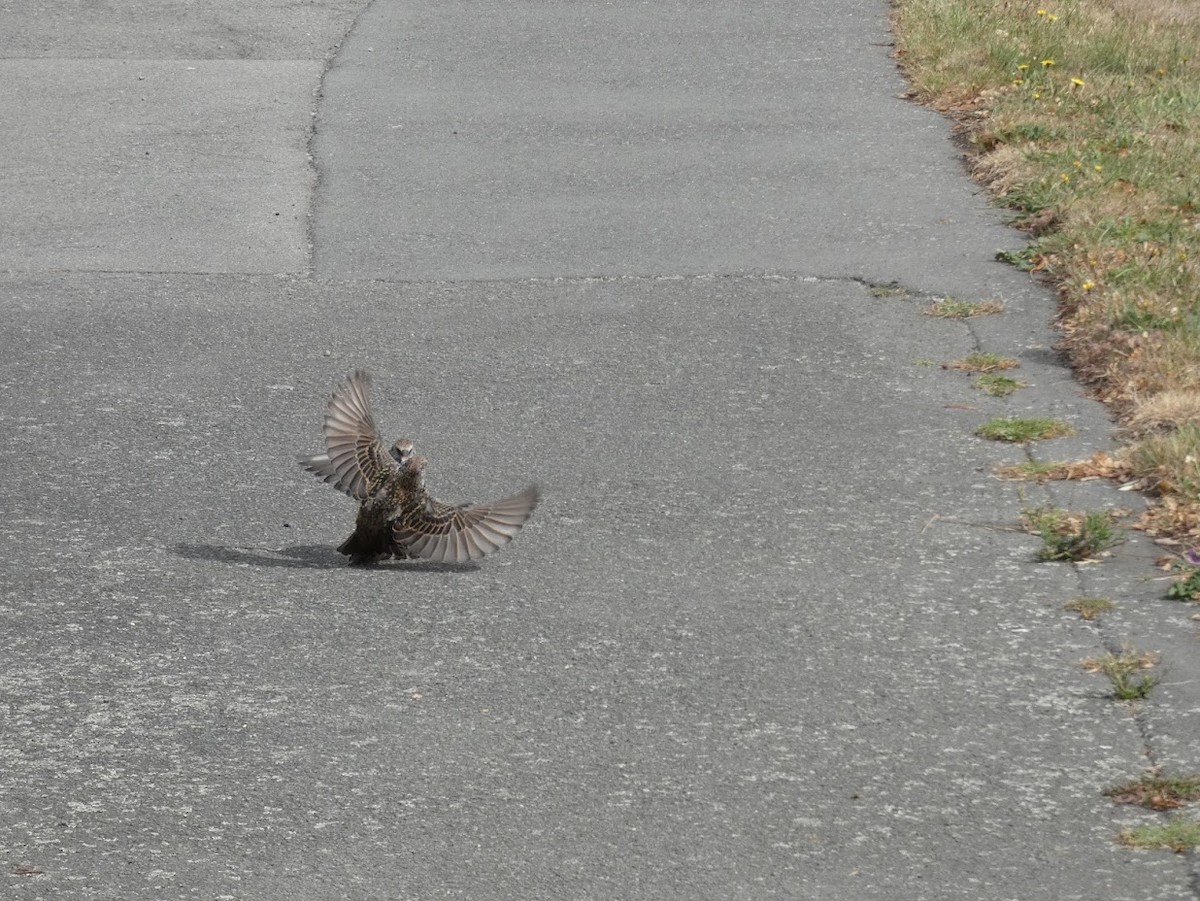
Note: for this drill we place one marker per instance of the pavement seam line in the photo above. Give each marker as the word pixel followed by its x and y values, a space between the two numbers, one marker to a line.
pixel 307 274
pixel 314 165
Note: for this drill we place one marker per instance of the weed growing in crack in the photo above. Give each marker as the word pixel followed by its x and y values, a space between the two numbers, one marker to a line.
pixel 1070 536
pixel 1158 792
pixel 1089 608
pixel 1127 673
pixel 953 308
pixel 1179 835
pixel 983 362
pixel 1021 431
pixel 1032 470
pixel 997 385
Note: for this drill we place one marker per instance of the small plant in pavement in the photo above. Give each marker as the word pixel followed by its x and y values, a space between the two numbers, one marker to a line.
pixel 1070 536
pixel 983 362
pixel 953 308
pixel 1127 673
pixel 1178 835
pixel 1020 431
pixel 1187 586
pixel 1158 792
pixel 1089 608
pixel 997 385
pixel 1033 470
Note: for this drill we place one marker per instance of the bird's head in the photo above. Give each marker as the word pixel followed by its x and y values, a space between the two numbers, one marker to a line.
pixel 402 450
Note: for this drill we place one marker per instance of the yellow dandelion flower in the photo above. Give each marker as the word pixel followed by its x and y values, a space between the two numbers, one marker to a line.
pixel 1098 167
pixel 1047 63
pixel 1078 82
pixel 1077 163
pixel 1037 95
pixel 1041 12
pixel 1052 17
pixel 1088 285
pixel 1023 66
pixel 1066 178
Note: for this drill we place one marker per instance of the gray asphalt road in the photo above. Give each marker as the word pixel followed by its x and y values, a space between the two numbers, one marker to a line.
pixel 771 634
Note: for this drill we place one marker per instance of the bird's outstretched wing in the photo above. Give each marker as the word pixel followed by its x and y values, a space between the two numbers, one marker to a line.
pixel 354 457
pixel 431 530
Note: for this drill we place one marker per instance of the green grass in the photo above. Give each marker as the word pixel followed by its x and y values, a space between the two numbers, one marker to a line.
pixel 1020 431
pixel 1084 118
pixel 1158 792
pixel 983 362
pixel 997 385
pixel 1089 608
pixel 1033 470
pixel 1127 672
pixel 1070 536
pixel 1179 835
pixel 953 308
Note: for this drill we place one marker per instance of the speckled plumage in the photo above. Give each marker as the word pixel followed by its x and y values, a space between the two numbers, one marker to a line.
pixel 455 533
pixel 396 516
pixel 355 460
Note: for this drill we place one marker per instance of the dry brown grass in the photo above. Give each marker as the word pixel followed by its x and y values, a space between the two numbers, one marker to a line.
pixel 1154 12
pixel 1167 411
pixel 1100 465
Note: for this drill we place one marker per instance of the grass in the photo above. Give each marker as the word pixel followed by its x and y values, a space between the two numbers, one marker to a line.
pixel 1127 673
pixel 1100 465
pixel 1167 460
pixel 1020 431
pixel 1170 458
pixel 997 385
pixel 1070 536
pixel 1089 608
pixel 1178 835
pixel 1158 792
pixel 983 362
pixel 1026 259
pixel 1165 412
pixel 1034 470
pixel 1082 117
pixel 953 308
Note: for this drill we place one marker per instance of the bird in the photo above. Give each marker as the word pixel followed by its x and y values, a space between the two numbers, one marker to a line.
pixel 397 517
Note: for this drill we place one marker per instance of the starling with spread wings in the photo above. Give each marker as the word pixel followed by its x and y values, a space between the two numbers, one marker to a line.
pixel 396 516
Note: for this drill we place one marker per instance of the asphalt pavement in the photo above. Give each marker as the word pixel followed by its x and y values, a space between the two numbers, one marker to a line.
pixel 774 631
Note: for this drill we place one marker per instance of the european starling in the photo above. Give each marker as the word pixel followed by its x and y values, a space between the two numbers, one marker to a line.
pixel 397 517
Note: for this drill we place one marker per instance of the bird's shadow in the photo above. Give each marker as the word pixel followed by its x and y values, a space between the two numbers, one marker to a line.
pixel 306 556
